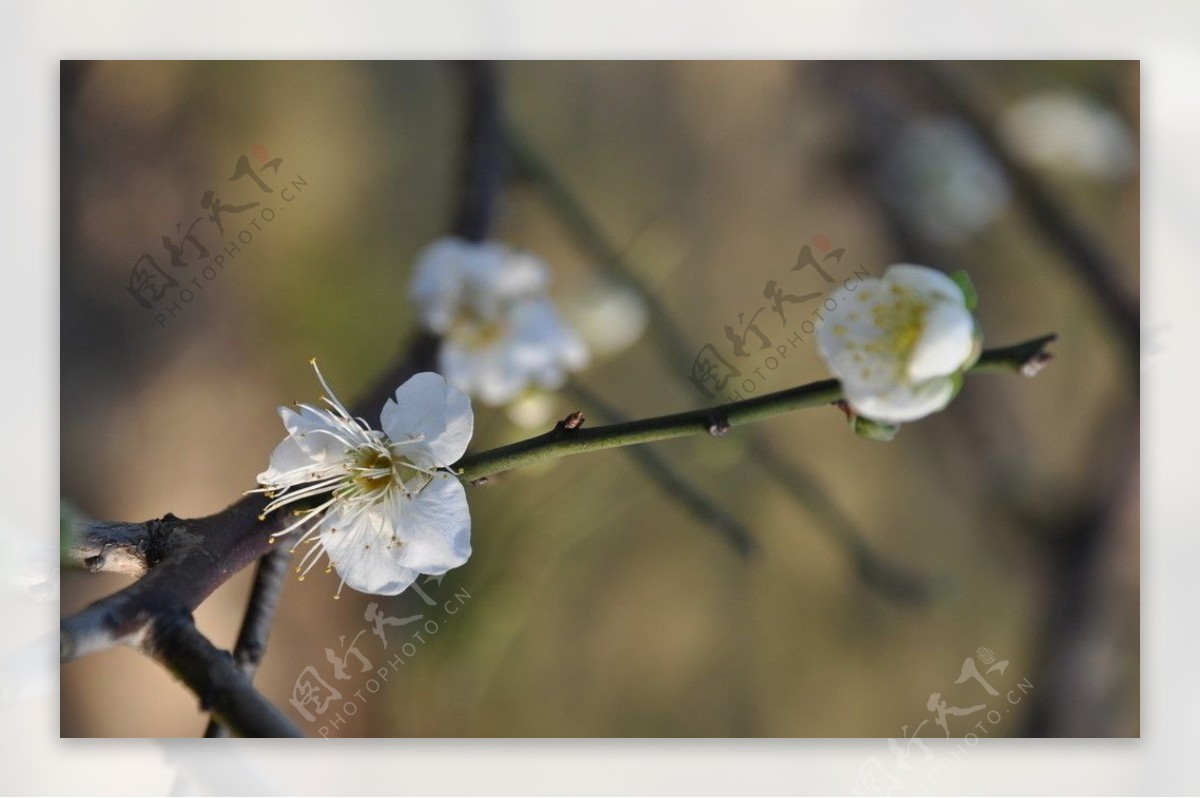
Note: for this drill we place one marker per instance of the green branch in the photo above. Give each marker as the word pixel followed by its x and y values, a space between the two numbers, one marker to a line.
pixel 568 438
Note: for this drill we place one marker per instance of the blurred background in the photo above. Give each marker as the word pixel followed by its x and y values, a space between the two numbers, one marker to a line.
pixel 595 604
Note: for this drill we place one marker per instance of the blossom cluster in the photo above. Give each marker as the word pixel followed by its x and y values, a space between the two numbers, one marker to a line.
pixel 501 333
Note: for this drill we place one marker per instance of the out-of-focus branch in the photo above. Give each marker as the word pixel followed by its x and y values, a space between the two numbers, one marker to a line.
pixel 1080 643
pixel 675 484
pixel 566 439
pixel 890 579
pixel 482 174
pixel 529 165
pixel 481 183
pixel 251 644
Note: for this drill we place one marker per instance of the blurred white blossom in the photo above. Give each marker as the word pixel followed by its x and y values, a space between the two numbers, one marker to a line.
pixel 610 317
pixel 939 175
pixel 390 511
pixel 1068 132
pixel 501 333
pixel 898 343
pixel 532 409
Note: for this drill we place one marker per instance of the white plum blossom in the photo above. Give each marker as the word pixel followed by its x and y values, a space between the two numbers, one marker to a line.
pixel 532 409
pixel 609 316
pixel 387 510
pixel 501 333
pixel 898 343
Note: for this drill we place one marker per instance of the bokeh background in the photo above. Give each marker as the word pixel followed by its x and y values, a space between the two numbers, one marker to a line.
pixel 595 605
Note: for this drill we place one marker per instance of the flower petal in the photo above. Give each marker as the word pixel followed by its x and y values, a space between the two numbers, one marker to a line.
pixel 924 280
pixel 363 553
pixel 426 405
pixel 894 342
pixel 434 526
pixel 543 347
pixel 315 433
pixel 946 341
pixel 522 275
pixel 487 372
pixel 287 457
pixel 452 272
pixel 902 402
pixel 436 281
pixel 852 344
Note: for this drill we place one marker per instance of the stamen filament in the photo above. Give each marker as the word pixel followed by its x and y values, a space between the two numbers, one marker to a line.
pixel 331 397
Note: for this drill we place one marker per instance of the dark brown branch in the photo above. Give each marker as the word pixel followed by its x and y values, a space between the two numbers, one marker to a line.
pixel 211 674
pixel 482 172
pixel 113 547
pixel 251 645
pixel 189 558
pixel 205 552
pixel 201 554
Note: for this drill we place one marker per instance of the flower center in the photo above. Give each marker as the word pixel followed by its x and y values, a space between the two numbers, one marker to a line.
pixel 471 329
pixel 902 322
pixel 372 470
